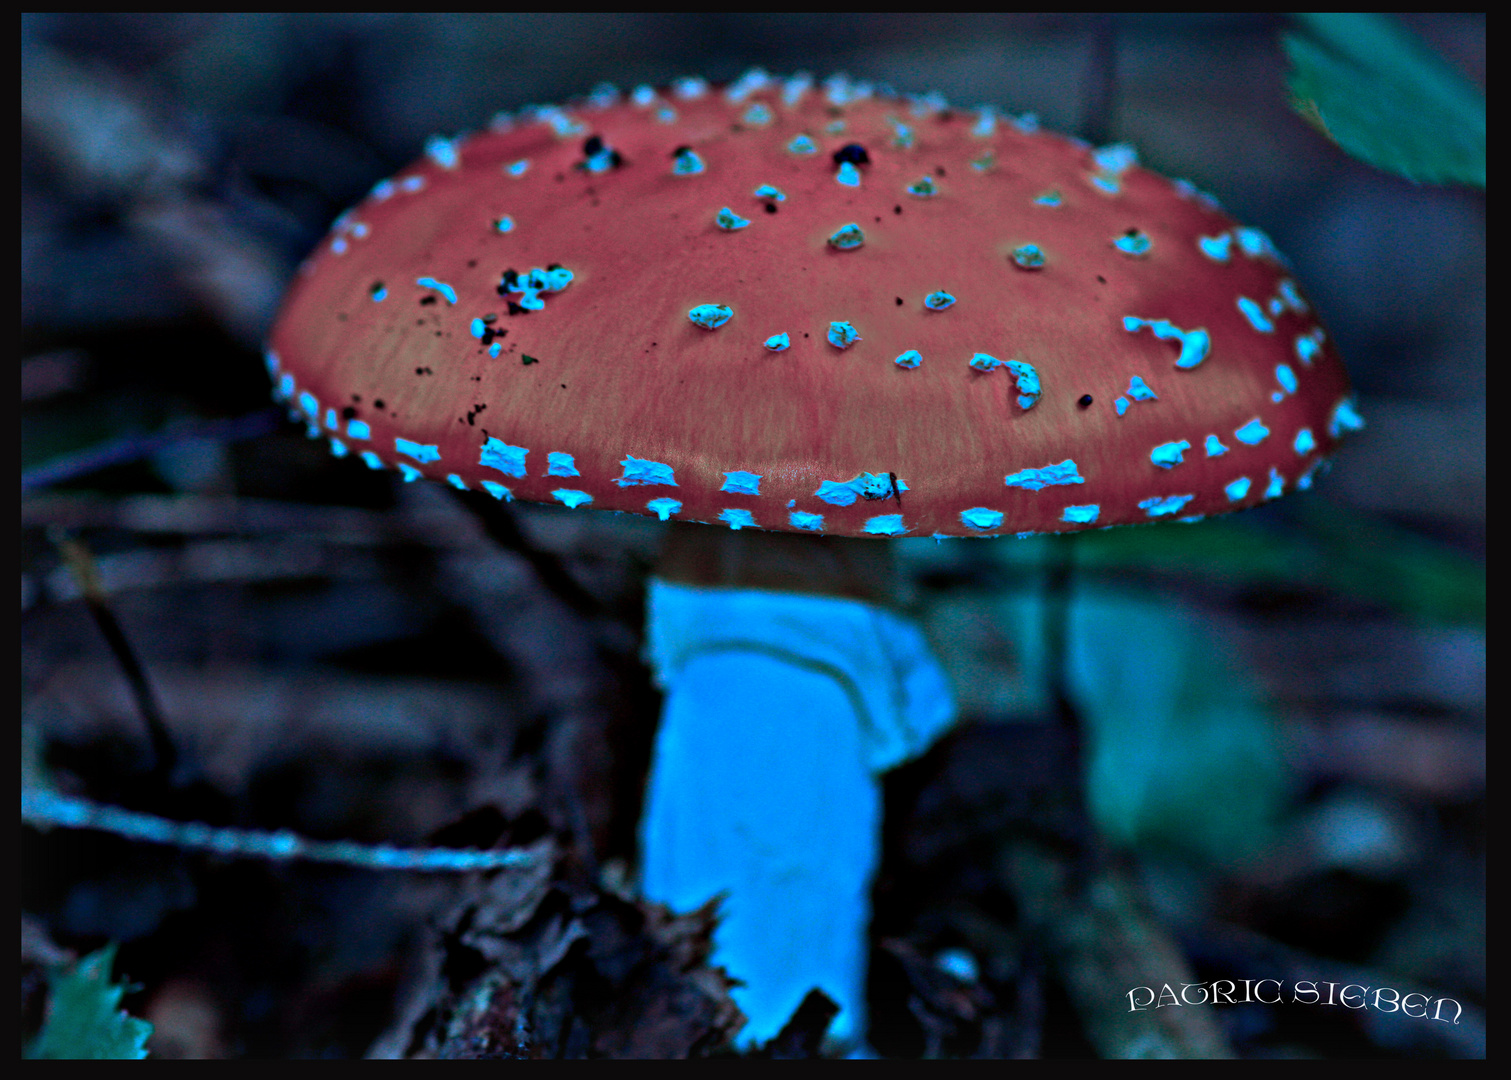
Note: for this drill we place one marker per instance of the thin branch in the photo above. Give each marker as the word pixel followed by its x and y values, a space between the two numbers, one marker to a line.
pixel 499 523
pixel 48 809
pixel 1059 565
pixel 81 565
pixel 1100 87
pixel 131 448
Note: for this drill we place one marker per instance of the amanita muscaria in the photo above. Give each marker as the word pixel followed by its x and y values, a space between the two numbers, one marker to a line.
pixel 823 310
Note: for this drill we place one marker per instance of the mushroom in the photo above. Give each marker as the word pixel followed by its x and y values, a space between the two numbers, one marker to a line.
pixel 820 310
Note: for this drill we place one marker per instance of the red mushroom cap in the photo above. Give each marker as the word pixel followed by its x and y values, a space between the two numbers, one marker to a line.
pixel 810 309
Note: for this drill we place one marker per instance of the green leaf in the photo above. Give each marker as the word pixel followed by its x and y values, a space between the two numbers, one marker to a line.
pixel 1182 755
pixel 1384 97
pixel 85 1020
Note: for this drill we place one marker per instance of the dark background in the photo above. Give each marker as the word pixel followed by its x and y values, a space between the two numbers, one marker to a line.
pixel 351 657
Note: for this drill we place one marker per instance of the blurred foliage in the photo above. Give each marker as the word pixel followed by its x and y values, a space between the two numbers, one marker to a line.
pixel 1307 544
pixel 85 1020
pixel 1182 753
pixel 1182 749
pixel 1335 548
pixel 1377 91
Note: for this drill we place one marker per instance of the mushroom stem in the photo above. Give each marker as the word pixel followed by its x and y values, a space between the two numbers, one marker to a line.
pixel 789 690
pixel 782 562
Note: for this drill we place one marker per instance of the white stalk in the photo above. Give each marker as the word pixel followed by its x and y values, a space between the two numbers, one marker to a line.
pixel 782 711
